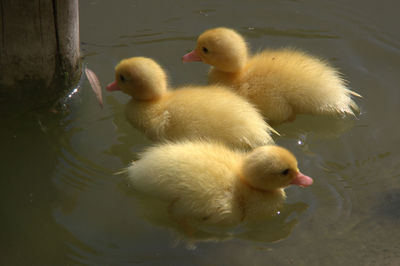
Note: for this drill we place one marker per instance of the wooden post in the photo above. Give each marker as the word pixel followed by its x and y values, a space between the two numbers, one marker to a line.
pixel 39 50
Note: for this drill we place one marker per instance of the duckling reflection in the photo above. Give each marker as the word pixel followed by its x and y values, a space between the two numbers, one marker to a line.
pixel 323 127
pixel 272 229
pixel 130 140
pixel 278 227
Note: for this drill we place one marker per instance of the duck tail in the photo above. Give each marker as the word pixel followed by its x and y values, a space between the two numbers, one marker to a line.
pixel 354 93
pixel 123 171
pixel 355 110
pixel 274 131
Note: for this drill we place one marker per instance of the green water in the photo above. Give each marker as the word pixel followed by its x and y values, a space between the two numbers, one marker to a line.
pixel 62 204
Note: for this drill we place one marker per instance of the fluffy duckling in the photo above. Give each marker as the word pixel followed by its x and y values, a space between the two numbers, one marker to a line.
pixel 207 184
pixel 191 112
pixel 281 83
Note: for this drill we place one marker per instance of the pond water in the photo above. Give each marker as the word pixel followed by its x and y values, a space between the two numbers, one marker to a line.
pixel 63 205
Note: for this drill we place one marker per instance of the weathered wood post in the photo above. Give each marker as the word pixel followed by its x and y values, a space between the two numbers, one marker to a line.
pixel 39 50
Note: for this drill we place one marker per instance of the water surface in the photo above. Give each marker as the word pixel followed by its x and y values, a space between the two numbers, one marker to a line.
pixel 62 203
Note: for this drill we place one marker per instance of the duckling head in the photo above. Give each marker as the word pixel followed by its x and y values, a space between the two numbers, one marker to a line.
pixel 140 77
pixel 272 167
pixel 222 48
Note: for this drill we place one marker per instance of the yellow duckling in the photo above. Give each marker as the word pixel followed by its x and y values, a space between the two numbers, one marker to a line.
pixel 190 112
pixel 207 184
pixel 281 83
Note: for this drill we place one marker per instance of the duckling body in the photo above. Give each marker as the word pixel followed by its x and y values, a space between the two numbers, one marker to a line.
pixel 280 83
pixel 206 183
pixel 191 112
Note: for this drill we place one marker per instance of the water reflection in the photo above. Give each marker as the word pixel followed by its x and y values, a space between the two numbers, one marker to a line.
pixel 273 229
pixel 325 127
pixel 130 141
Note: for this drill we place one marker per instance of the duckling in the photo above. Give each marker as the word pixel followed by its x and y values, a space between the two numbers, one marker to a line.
pixel 204 183
pixel 189 112
pixel 281 83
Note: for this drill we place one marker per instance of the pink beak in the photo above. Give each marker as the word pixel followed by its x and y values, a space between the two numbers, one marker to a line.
pixel 192 56
pixel 113 86
pixel 302 180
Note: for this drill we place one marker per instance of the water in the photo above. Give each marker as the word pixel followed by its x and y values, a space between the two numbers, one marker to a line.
pixel 63 205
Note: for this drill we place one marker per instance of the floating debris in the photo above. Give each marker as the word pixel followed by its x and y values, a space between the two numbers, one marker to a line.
pixel 95 83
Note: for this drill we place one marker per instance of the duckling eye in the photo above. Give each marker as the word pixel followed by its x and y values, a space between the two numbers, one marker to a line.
pixel 122 78
pixel 285 172
pixel 205 50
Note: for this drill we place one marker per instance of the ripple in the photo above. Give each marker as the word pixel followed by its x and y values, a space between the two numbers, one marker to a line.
pixel 73 172
pixel 73 169
pixel 140 35
pixel 296 33
pixel 166 39
pixel 153 37
pixel 366 25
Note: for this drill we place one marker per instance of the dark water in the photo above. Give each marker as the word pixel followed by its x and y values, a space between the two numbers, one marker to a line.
pixel 62 204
